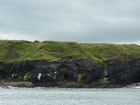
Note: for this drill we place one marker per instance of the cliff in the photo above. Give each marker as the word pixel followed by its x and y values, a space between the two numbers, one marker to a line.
pixel 69 64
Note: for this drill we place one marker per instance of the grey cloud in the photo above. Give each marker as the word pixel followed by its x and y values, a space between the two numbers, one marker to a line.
pixel 75 20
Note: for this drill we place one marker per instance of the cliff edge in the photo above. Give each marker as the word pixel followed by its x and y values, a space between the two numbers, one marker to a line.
pixel 69 64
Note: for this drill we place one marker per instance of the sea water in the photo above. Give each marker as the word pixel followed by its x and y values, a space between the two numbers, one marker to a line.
pixel 69 96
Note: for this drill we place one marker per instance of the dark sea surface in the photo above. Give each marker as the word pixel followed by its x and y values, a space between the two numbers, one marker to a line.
pixel 69 96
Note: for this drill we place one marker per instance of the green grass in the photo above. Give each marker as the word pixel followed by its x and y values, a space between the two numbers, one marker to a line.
pixel 49 50
pixel 2 80
pixel 103 52
pixel 19 50
pixel 79 77
pixel 104 80
pixel 26 76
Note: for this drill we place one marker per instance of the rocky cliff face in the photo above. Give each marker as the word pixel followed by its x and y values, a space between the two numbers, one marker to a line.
pixel 80 72
pixel 123 73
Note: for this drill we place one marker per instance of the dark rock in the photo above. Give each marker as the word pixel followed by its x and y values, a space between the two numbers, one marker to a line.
pixel 122 72
pixel 44 73
pixel 17 84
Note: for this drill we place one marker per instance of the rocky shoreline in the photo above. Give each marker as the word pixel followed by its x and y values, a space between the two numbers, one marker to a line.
pixel 72 73
pixel 133 85
pixel 16 84
pixel 64 85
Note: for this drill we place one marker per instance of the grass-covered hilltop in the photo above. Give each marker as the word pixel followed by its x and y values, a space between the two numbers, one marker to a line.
pixel 68 64
pixel 20 50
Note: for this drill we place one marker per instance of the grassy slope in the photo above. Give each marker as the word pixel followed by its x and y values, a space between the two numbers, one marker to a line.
pixel 49 50
pixel 103 52
pixel 53 50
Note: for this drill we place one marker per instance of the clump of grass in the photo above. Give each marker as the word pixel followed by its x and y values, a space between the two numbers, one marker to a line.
pixel 104 80
pixel 2 80
pixel 79 77
pixel 26 76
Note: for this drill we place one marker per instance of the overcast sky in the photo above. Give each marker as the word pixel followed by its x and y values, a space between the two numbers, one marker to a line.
pixel 86 21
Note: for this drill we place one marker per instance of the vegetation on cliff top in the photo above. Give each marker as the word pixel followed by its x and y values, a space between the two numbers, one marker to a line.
pixel 19 50
pixel 103 52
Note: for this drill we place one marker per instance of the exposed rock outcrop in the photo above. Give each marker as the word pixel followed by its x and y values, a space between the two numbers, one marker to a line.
pixel 17 84
pixel 80 72
pixel 123 73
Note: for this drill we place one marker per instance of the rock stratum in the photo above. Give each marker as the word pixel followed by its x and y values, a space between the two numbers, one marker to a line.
pixel 68 64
